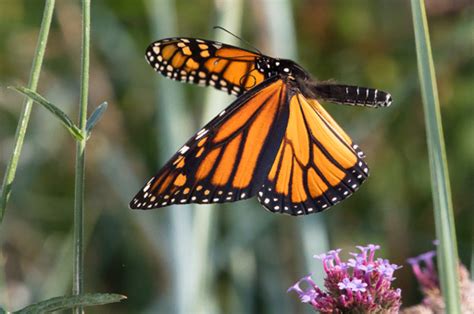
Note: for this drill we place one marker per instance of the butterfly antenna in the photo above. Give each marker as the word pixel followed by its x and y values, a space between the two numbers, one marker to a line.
pixel 239 38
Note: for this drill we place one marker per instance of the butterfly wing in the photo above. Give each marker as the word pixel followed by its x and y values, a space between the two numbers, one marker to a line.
pixel 316 166
pixel 205 62
pixel 229 158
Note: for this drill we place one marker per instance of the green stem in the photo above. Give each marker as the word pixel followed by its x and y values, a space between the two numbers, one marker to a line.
pixel 443 208
pixel 78 267
pixel 28 103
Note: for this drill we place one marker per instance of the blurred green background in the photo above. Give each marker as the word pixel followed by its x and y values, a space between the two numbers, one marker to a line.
pixel 235 258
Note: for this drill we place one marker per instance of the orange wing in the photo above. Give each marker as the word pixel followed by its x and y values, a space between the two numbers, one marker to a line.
pixel 205 62
pixel 316 166
pixel 229 158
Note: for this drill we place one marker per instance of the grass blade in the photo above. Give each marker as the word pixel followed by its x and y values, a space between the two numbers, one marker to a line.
pixel 443 208
pixel 25 114
pixel 68 124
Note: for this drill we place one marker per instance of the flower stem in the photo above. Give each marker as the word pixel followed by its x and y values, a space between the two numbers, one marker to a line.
pixel 443 208
pixel 78 263
pixel 28 103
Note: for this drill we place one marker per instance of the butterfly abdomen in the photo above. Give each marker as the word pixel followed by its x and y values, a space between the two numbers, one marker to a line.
pixel 352 95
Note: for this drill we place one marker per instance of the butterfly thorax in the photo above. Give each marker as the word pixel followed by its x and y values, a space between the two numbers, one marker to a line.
pixel 270 67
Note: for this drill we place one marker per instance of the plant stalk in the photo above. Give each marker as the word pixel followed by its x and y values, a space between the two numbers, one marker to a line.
pixel 28 103
pixel 442 201
pixel 78 263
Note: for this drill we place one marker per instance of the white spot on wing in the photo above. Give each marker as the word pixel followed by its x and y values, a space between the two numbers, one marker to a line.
pixel 184 149
pixel 201 133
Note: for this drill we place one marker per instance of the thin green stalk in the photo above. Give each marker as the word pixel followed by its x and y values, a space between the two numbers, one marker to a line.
pixel 28 103
pixel 443 208
pixel 78 263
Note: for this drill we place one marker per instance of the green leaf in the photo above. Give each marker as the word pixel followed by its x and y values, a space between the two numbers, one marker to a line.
pixel 70 126
pixel 64 303
pixel 95 117
pixel 443 207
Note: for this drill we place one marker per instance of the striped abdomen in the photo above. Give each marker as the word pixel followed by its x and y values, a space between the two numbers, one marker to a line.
pixel 352 95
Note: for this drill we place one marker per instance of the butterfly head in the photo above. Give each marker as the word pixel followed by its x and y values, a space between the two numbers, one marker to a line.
pixel 271 66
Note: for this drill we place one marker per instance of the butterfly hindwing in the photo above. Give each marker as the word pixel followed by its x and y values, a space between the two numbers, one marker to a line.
pixel 205 62
pixel 229 158
pixel 316 166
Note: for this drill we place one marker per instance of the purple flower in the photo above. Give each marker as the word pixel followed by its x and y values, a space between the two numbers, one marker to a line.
pixel 424 269
pixel 307 295
pixel 344 284
pixel 354 285
pixel 358 285
pixel 322 256
pixel 362 284
pixel 367 268
pixel 355 262
pixel 386 269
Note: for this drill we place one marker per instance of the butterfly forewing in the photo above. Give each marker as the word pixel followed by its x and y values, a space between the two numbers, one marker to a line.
pixel 229 158
pixel 205 62
pixel 316 166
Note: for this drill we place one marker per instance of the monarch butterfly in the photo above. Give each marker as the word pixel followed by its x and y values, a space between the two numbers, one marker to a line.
pixel 274 141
